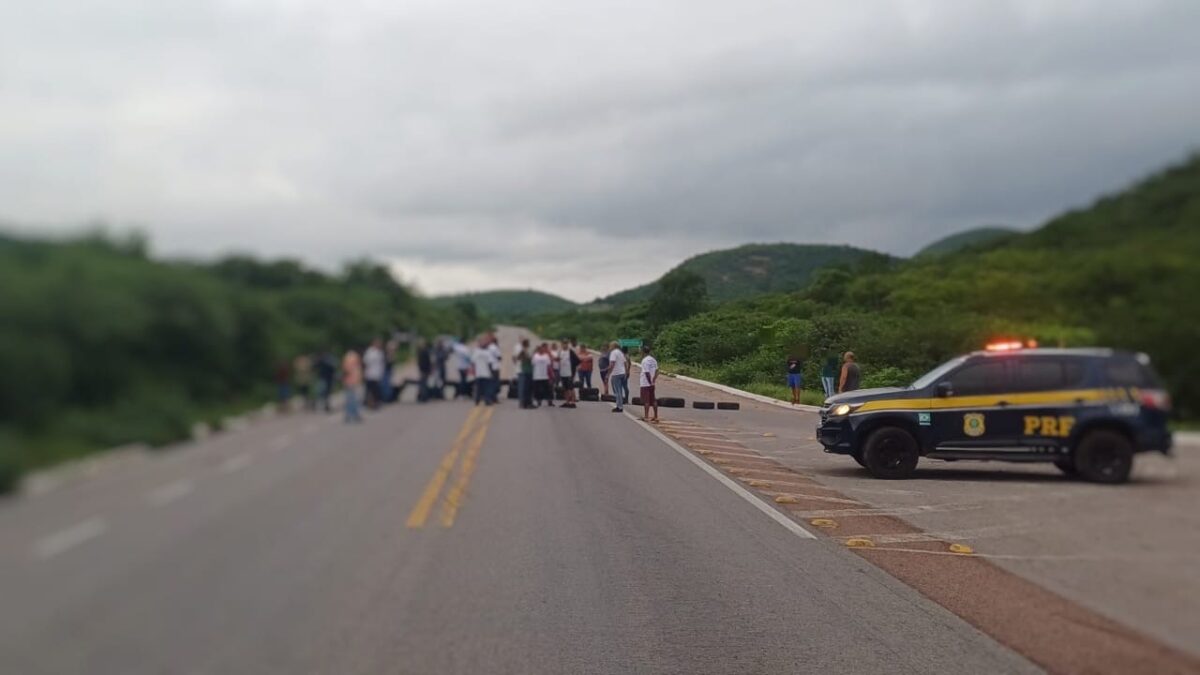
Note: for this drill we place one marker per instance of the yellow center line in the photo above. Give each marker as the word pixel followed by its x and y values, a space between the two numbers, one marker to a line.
pixel 424 505
pixel 455 496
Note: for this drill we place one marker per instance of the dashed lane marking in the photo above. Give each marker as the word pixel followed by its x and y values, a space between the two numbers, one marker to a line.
pixel 165 494
pixel 788 524
pixel 65 540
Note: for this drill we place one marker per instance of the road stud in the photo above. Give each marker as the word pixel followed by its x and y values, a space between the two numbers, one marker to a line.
pixel 826 523
pixel 859 542
pixel 786 499
pixel 961 548
pixel 759 484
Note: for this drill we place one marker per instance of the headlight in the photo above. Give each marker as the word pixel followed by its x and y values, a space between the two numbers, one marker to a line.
pixel 843 409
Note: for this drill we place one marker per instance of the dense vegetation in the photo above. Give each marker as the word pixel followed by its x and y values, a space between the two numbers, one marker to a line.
pixel 975 238
pixel 1122 273
pixel 755 269
pixel 508 305
pixel 101 345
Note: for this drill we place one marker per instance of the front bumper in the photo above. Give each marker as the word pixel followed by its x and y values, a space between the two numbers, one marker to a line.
pixel 836 436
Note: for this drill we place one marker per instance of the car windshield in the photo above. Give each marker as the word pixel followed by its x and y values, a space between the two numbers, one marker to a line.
pixel 936 374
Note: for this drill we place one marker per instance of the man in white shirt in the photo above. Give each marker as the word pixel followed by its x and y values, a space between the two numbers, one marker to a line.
pixel 373 366
pixel 541 376
pixel 462 354
pixel 648 379
pixel 618 376
pixel 564 375
pixel 481 360
pixel 497 357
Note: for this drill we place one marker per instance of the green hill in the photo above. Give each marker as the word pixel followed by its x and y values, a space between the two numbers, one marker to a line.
pixel 970 239
pixel 757 269
pixel 1120 273
pixel 507 304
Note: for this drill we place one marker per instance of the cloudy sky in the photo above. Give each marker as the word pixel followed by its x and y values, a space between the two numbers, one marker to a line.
pixel 579 147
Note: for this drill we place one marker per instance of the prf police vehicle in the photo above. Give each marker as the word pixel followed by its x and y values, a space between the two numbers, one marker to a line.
pixel 1089 411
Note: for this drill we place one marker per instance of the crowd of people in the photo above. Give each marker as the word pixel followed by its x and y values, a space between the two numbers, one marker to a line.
pixel 544 373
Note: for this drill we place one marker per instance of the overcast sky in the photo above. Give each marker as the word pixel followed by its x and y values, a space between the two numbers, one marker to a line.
pixel 579 147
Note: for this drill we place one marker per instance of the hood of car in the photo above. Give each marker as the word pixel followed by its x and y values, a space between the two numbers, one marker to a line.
pixel 863 395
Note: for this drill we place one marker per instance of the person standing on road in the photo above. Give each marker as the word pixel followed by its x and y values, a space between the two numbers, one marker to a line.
pixel 524 361
pixel 795 377
pixel 352 378
pixel 481 360
pixel 566 358
pixel 542 389
pixel 462 354
pixel 424 370
pixel 603 367
pixel 648 379
pixel 829 375
pixel 302 373
pixel 497 357
pixel 850 374
pixel 326 371
pixel 617 374
pixel 374 364
pixel 586 363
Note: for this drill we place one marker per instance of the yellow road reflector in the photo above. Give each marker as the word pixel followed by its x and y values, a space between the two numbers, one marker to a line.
pixel 961 548
pixel 702 452
pixel 768 435
pixel 826 523
pixel 859 542
pixel 786 499
pixel 737 472
pixel 720 460
pixel 759 484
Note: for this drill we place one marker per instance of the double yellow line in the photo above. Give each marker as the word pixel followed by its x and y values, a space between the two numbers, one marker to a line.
pixel 470 439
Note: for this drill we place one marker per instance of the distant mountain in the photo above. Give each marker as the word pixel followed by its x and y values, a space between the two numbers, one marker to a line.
pixel 757 269
pixel 510 303
pixel 977 237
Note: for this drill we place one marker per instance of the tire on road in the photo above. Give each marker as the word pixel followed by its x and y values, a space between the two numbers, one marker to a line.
pixel 891 453
pixel 728 405
pixel 637 400
pixel 608 398
pixel 1104 456
pixel 859 458
pixel 671 402
pixel 703 405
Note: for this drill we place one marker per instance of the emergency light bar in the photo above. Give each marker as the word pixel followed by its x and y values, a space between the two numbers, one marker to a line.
pixel 1010 345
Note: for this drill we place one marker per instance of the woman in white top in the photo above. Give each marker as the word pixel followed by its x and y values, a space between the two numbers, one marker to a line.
pixel 541 377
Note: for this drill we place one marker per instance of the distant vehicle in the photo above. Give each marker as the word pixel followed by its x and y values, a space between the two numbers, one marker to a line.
pixel 1089 411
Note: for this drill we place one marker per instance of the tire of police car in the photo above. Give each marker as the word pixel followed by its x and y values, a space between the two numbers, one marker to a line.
pixel 1067 466
pixel 1104 456
pixel 890 453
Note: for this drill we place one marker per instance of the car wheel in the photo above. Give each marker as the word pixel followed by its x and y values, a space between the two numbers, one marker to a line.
pixel 1067 466
pixel 891 453
pixel 1104 457
pixel 859 458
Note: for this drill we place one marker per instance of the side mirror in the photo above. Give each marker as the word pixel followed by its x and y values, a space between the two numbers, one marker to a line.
pixel 945 389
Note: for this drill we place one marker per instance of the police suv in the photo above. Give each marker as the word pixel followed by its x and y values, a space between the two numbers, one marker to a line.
pixel 1086 410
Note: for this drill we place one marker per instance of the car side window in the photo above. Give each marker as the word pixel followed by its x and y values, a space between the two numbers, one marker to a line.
pixel 979 378
pixel 1042 374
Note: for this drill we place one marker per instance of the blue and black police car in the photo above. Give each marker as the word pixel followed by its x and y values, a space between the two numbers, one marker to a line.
pixel 1089 411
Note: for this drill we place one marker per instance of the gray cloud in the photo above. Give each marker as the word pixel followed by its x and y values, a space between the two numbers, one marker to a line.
pixel 480 145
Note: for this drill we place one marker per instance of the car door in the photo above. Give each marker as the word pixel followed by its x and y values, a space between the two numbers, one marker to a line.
pixel 970 412
pixel 1042 396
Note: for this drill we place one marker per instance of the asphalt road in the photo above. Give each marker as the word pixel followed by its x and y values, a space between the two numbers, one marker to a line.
pixel 442 538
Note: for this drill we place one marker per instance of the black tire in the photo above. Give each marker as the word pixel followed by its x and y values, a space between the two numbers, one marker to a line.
pixel 858 458
pixel 1104 456
pixel 671 402
pixel 608 398
pixel 1067 466
pixel 728 405
pixel 637 400
pixel 890 453
pixel 703 405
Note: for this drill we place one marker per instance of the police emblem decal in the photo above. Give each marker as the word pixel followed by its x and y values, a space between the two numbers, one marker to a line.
pixel 973 424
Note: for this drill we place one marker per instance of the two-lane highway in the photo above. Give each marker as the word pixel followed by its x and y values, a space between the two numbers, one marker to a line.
pixel 445 538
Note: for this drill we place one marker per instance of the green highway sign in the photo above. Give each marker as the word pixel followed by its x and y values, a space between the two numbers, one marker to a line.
pixel 630 342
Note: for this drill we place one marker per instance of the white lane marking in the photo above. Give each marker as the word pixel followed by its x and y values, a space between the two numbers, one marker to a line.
pixel 64 540
pixel 788 524
pixel 235 463
pixel 165 494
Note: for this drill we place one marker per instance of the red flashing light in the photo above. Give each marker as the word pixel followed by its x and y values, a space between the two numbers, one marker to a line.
pixel 1004 346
